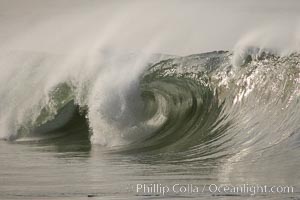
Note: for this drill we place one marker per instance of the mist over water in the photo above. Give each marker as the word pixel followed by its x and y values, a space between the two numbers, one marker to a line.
pixel 104 95
pixel 186 27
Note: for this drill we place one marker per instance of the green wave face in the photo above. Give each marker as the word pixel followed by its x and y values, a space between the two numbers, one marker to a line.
pixel 215 109
pixel 190 108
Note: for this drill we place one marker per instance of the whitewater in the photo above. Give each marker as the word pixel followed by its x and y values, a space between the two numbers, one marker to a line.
pixel 95 106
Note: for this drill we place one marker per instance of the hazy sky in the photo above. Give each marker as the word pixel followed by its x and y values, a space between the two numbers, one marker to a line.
pixel 168 26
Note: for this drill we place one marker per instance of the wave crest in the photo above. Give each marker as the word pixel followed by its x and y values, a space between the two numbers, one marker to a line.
pixel 200 105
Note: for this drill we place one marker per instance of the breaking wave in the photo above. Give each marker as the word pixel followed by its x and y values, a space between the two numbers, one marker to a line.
pixel 201 106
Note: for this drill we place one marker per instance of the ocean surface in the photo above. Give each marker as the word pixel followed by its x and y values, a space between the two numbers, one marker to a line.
pixel 191 127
